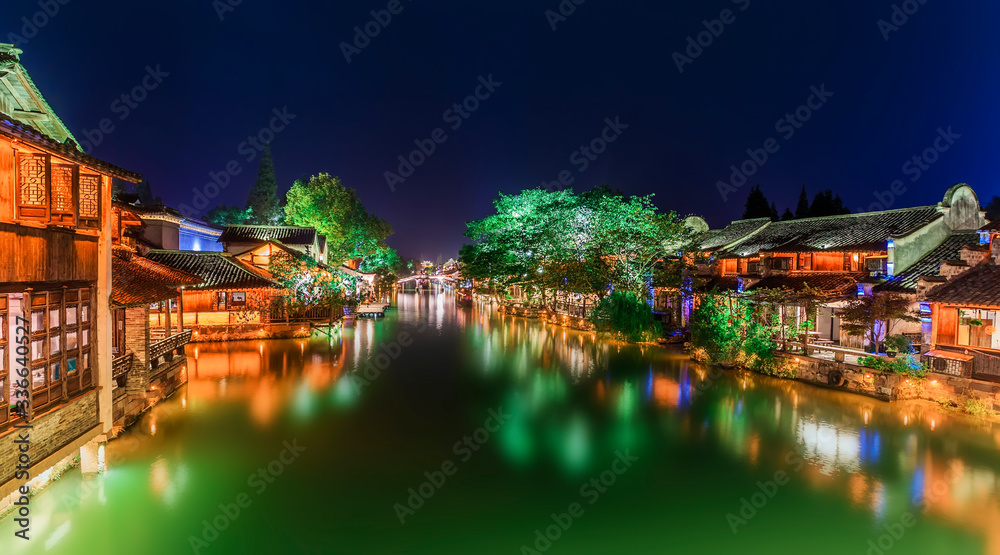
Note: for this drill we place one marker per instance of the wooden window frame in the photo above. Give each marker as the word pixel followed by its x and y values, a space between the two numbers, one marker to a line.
pixel 46 213
pixel 33 212
pixel 55 388
pixel 59 217
pixel 88 221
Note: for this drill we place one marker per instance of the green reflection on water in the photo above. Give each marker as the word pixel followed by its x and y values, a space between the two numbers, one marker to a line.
pixel 703 443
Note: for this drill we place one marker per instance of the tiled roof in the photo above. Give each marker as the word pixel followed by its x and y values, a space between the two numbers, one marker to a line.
pixel 991 226
pixel 28 96
pixel 832 284
pixel 137 281
pixel 289 235
pixel 851 232
pixel 218 270
pixel 978 286
pixel 718 238
pixel 906 281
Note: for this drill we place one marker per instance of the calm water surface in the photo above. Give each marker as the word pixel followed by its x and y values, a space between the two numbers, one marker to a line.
pixel 702 449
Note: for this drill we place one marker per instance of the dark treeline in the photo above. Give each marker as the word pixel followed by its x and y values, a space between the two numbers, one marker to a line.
pixel 824 203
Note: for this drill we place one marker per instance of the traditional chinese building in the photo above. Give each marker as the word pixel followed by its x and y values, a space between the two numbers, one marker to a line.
pixel 834 258
pixel 241 239
pixel 233 296
pixel 963 306
pixel 166 228
pixel 149 363
pixel 55 285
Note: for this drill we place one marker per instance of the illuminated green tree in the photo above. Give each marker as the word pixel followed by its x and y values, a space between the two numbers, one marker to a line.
pixel 335 211
pixel 587 243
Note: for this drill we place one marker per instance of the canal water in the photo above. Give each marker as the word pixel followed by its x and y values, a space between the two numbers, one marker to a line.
pixel 455 430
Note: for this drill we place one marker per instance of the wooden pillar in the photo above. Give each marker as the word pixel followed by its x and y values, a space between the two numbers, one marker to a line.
pixel 180 312
pixel 166 324
pixel 63 358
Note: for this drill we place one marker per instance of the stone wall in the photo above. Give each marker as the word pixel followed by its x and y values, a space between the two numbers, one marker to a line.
pixel 51 432
pixel 857 379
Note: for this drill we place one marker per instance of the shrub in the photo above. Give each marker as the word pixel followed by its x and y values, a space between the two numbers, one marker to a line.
pixel 731 330
pixel 906 365
pixel 627 316
pixel 899 343
pixel 976 407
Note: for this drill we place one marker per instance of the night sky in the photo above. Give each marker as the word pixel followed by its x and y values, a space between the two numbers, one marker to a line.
pixel 557 89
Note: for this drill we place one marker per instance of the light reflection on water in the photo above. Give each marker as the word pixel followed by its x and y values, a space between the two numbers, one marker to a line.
pixel 573 400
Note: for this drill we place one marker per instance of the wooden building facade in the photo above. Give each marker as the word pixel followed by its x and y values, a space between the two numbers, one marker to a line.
pixel 55 282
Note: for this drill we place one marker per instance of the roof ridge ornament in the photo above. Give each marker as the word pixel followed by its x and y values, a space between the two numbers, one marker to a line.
pixel 10 53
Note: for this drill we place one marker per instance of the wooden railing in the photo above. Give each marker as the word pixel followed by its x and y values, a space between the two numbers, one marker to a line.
pixel 571 309
pixel 167 348
pixel 120 368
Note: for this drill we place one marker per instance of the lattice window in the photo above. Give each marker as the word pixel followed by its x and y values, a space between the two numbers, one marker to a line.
pixel 90 188
pixel 63 210
pixel 32 185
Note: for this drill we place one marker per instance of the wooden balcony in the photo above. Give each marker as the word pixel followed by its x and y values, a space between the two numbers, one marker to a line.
pixel 168 348
pixel 120 368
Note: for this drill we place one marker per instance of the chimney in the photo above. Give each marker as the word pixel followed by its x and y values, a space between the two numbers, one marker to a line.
pixel 952 268
pixel 973 255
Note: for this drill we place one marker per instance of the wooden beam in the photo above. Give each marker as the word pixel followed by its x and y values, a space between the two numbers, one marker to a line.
pixel 30 116
pixel 10 89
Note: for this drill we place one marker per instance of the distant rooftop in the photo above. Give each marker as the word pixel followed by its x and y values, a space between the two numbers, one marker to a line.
pixel 929 265
pixel 979 286
pixel 289 235
pixel 850 232
pixel 718 238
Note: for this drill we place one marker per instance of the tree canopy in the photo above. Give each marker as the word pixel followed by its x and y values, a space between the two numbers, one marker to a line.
pixel 323 202
pixel 589 243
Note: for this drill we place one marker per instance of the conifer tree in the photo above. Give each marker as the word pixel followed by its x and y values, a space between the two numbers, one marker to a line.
pixel 263 201
pixel 802 208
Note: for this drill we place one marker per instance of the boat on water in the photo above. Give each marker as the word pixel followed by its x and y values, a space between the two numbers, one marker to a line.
pixel 463 297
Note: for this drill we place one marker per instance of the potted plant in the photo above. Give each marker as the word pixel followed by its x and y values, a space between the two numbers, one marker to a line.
pixel 975 322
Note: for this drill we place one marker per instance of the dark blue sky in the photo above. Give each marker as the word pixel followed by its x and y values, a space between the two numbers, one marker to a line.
pixel 607 59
